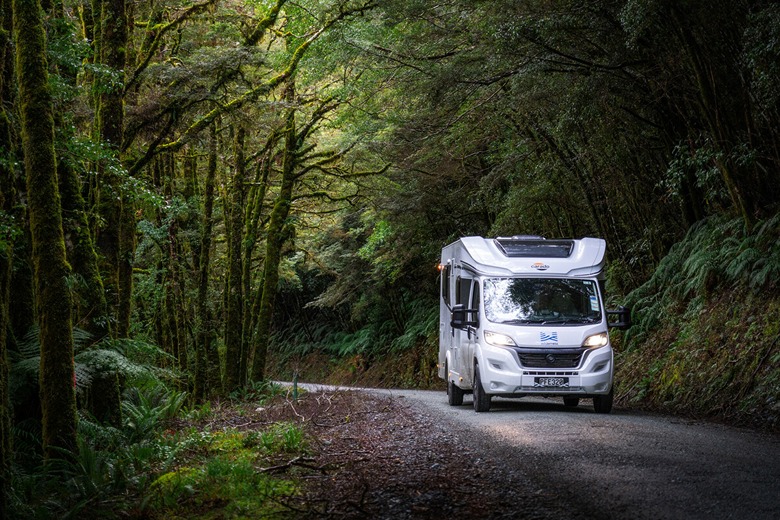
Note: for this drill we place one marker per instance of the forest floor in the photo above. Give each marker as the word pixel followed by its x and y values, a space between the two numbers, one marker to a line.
pixel 374 456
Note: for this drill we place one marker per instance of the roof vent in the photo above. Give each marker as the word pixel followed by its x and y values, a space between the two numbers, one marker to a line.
pixel 528 246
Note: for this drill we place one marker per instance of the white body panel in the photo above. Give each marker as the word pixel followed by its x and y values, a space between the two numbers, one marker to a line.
pixel 542 351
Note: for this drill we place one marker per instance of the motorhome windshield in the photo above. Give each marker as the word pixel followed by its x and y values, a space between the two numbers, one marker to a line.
pixel 541 300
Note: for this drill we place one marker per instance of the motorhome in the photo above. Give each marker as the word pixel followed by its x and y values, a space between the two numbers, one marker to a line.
pixel 525 316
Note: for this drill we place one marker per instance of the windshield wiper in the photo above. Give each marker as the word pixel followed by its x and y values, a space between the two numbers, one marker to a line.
pixel 552 321
pixel 520 321
pixel 583 319
pixel 565 321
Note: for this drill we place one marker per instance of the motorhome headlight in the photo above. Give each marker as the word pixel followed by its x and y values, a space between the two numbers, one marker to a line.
pixel 596 340
pixel 500 340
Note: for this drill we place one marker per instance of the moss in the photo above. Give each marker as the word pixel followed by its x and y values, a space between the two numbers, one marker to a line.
pixel 235 357
pixel 91 299
pixel 722 364
pixel 207 378
pixel 274 241
pixel 114 242
pixel 51 269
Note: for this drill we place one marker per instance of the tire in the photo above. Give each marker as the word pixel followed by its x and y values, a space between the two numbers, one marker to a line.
pixel 454 392
pixel 481 398
pixel 603 403
pixel 571 401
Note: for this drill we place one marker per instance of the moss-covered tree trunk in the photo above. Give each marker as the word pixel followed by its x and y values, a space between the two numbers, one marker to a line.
pixel 90 305
pixel 253 226
pixel 173 298
pixel 127 243
pixel 114 239
pixel 273 249
pixel 6 259
pixel 6 444
pixel 235 357
pixel 58 398
pixel 21 313
pixel 206 362
pixel 6 244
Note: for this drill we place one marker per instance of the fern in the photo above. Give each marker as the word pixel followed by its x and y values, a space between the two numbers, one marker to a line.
pixel 421 324
pixel 27 437
pixel 715 253
pixel 146 409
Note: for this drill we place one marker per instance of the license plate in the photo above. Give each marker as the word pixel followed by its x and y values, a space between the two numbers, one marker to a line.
pixel 556 382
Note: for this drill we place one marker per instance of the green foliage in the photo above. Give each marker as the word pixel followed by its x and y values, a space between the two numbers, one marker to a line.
pixel 9 230
pixel 705 334
pixel 282 437
pixel 701 162
pixel 716 254
pixel 421 325
pixel 227 471
pixel 762 42
pixel 146 409
pixel 110 467
pixel 133 361
pixel 258 391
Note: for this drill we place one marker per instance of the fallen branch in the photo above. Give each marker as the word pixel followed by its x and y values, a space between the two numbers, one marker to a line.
pixel 297 461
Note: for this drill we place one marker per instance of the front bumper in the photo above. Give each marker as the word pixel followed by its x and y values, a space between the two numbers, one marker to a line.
pixel 503 373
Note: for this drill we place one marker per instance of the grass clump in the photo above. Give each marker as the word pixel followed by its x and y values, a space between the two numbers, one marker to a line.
pixel 227 474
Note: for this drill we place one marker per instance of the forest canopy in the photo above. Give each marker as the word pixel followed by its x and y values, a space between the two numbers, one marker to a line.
pixel 191 188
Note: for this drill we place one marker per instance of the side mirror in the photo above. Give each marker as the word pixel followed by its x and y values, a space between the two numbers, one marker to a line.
pixel 619 319
pixel 460 317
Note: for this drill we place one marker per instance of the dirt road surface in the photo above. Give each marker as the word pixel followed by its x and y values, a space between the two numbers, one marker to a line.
pixel 552 461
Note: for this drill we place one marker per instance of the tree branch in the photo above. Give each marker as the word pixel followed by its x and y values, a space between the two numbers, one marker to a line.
pixel 161 31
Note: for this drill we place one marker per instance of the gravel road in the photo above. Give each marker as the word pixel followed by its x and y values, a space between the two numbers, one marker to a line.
pixel 622 465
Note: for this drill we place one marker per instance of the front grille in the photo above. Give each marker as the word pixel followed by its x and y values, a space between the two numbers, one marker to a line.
pixel 550 358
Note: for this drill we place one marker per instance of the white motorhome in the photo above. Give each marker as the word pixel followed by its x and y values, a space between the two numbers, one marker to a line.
pixel 523 316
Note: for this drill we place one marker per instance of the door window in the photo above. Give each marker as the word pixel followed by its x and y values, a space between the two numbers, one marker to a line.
pixel 463 290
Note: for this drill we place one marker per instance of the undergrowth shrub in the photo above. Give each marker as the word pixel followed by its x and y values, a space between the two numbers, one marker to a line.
pixel 715 256
pixel 706 327
pixel 223 471
pixel 111 463
pixel 418 318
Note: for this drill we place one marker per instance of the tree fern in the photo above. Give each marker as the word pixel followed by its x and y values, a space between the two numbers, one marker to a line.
pixel 129 359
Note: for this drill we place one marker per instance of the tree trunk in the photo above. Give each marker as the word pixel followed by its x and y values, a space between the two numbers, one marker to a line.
pixel 105 399
pixel 125 274
pixel 7 146
pixel 6 445
pixel 6 258
pixel 174 297
pixel 235 357
pixel 114 240
pixel 92 311
pixel 206 358
pixel 254 211
pixel 58 398
pixel 273 252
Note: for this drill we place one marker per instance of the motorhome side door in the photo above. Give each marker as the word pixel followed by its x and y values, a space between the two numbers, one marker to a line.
pixel 472 333
pixel 462 336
